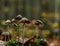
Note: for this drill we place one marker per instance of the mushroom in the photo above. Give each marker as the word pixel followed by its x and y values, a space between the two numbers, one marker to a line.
pixel 38 22
pixel 13 20
pixel 18 17
pixel 24 20
pixel 8 21
pixel 6 33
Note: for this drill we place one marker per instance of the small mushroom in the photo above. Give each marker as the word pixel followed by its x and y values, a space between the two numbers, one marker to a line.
pixel 8 21
pixel 18 17
pixel 38 22
pixel 13 20
pixel 24 20
pixel 6 33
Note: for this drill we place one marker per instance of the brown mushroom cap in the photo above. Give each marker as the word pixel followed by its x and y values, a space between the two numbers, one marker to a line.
pixel 24 20
pixel 18 17
pixel 13 20
pixel 38 22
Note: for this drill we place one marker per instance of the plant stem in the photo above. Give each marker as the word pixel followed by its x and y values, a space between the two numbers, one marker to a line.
pixel 23 34
pixel 18 31
pixel 37 31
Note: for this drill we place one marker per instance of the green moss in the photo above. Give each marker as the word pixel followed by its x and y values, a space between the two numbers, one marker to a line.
pixel 12 42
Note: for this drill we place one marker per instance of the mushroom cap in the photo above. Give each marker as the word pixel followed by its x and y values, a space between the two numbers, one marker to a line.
pixel 5 33
pixel 38 22
pixel 24 20
pixel 13 20
pixel 8 21
pixel 18 17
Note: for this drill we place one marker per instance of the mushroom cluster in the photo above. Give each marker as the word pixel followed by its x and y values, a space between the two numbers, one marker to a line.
pixel 19 19
pixel 23 20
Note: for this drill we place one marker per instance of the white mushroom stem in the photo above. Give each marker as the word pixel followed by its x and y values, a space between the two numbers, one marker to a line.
pixel 37 31
pixel 23 34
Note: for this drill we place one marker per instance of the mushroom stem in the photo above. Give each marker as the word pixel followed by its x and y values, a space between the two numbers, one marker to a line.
pixel 36 31
pixel 8 31
pixel 12 35
pixel 18 31
pixel 23 34
pixel 5 38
